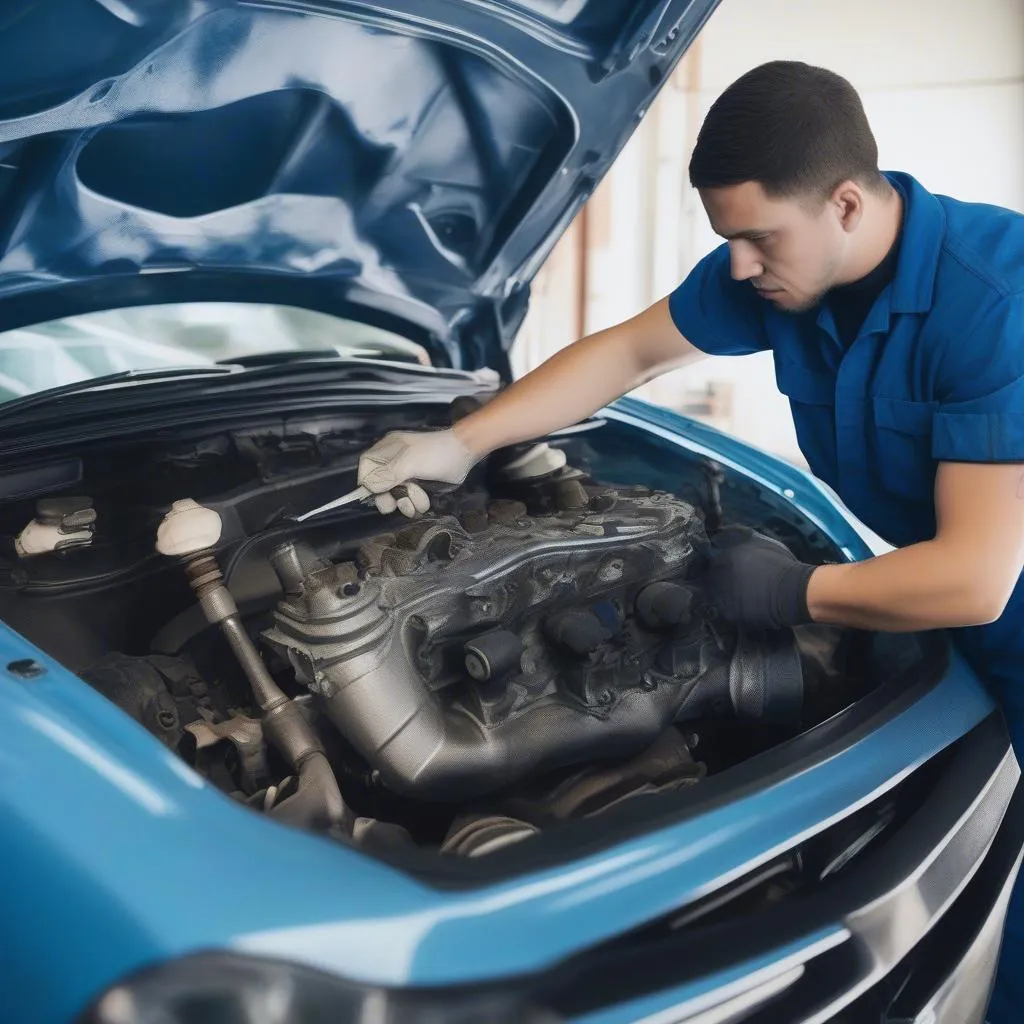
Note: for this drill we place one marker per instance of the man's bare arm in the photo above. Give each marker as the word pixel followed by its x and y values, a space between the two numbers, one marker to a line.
pixel 963 576
pixel 580 379
pixel 570 386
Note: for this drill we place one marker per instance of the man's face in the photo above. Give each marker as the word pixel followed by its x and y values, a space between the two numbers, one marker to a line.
pixel 791 250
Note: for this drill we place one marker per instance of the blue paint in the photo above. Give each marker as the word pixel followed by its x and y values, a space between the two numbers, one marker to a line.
pixel 821 506
pixel 409 164
pixel 115 856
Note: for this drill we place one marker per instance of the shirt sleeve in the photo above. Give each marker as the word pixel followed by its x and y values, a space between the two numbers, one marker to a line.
pixel 716 314
pixel 981 417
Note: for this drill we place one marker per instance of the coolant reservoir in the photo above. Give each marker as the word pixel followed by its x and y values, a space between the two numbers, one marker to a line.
pixel 60 523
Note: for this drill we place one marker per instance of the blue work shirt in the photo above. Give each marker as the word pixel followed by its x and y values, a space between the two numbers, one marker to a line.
pixel 936 373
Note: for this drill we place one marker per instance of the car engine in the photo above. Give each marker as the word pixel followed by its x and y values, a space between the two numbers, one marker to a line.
pixel 459 655
pixel 535 649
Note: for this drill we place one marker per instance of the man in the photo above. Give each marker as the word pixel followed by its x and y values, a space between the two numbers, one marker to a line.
pixel 896 321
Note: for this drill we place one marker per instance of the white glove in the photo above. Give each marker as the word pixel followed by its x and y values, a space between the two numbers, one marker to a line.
pixel 403 456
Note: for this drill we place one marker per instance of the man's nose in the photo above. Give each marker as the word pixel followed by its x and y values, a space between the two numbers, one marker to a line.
pixel 745 262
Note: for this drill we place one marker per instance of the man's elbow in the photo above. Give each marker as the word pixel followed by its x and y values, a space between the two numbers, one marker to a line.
pixel 985 604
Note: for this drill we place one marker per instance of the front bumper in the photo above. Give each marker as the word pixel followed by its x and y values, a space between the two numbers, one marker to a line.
pixel 905 930
pixel 909 933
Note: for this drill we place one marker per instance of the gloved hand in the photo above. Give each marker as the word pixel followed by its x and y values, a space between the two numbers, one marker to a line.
pixel 389 468
pixel 756 581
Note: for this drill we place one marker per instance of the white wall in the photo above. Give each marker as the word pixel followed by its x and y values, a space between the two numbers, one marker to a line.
pixel 942 80
pixel 943 85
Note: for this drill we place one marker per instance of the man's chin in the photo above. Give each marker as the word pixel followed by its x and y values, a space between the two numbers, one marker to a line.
pixel 787 303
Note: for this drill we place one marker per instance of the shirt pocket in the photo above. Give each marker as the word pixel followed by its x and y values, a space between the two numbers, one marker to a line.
pixel 903 449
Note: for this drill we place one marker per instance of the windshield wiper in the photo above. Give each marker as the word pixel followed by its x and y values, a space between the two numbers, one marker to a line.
pixel 217 386
pixel 109 407
pixel 15 406
pixel 312 355
pixel 279 358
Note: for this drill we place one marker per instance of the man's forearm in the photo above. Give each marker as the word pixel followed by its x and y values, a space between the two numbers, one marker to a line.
pixel 578 381
pixel 568 387
pixel 923 586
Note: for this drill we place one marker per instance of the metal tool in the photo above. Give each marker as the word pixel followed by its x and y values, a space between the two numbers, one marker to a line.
pixel 359 494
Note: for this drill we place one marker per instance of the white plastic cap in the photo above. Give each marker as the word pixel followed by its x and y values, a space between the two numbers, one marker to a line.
pixel 539 460
pixel 187 529
pixel 40 538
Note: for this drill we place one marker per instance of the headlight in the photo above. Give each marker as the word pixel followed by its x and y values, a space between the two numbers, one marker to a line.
pixel 224 989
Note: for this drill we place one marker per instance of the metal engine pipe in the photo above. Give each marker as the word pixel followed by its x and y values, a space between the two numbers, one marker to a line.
pixel 189 531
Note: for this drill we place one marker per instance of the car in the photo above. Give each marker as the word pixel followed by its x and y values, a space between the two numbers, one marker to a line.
pixel 503 762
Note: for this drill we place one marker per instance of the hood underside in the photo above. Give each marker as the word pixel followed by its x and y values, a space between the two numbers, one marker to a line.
pixel 412 161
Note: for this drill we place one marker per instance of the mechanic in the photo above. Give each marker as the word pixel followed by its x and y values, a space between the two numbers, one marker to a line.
pixel 896 321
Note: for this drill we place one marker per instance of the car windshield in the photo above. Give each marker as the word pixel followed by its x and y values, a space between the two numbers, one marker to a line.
pixel 81 348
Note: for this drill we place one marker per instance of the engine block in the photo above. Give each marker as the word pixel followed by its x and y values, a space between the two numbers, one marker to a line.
pixel 467 651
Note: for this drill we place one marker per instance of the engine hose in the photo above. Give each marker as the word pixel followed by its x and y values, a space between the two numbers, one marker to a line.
pixel 318 802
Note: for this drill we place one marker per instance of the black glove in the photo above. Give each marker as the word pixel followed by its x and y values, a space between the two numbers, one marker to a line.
pixel 755 581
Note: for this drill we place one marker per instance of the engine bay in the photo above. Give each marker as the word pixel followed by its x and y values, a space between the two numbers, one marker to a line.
pixel 535 649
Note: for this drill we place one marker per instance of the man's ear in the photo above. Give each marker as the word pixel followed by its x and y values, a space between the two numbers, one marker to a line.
pixel 847 200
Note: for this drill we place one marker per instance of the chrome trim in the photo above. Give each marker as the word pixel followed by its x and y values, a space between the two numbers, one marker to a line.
pixel 960 999
pixel 890 927
pixel 886 929
pixel 734 1009
pixel 727 996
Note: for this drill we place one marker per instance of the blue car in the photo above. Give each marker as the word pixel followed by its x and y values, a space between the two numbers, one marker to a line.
pixel 502 763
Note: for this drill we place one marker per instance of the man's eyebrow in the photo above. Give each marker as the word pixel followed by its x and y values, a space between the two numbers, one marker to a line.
pixel 749 234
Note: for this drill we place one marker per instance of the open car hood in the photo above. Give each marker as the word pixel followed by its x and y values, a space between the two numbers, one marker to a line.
pixel 405 163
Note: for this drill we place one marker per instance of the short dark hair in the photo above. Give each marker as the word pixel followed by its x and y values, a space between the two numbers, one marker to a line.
pixel 793 128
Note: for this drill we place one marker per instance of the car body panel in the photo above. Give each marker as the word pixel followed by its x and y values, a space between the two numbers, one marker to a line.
pixel 416 161
pixel 795 485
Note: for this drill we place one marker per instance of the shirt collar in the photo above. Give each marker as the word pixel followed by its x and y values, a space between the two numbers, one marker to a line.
pixel 924 229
